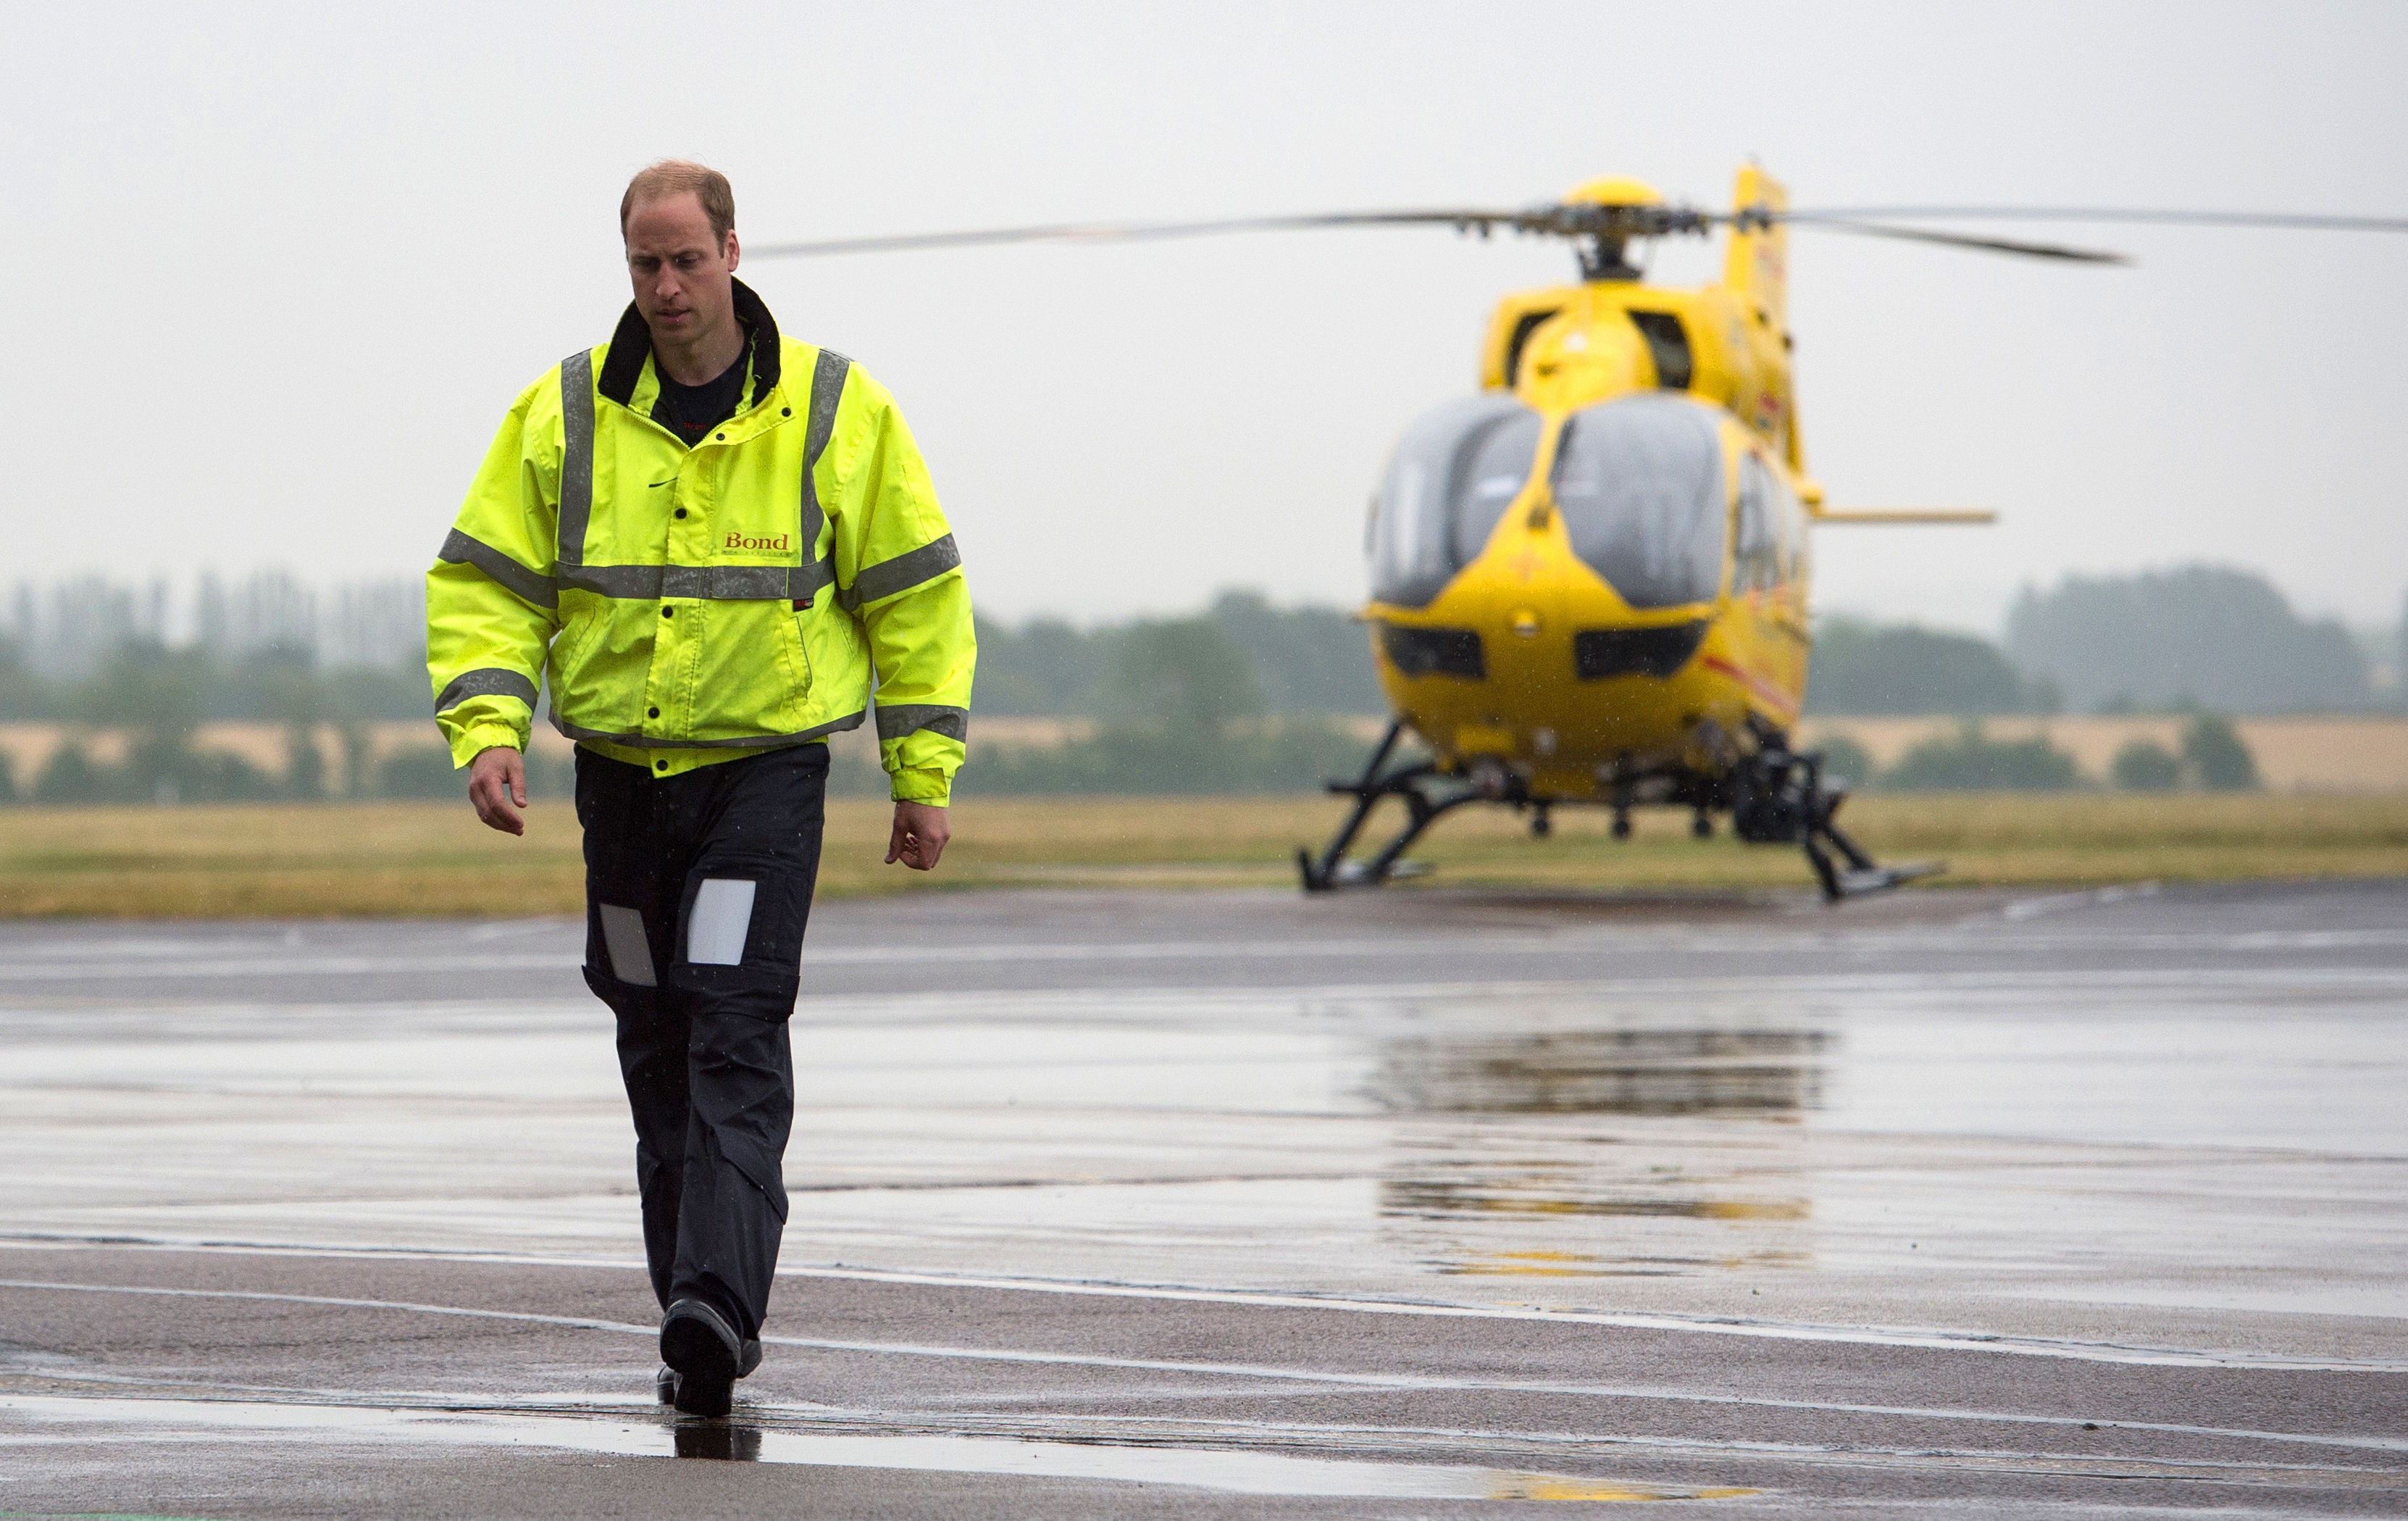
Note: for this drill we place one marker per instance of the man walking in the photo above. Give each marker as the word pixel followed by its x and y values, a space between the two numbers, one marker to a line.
pixel 706 535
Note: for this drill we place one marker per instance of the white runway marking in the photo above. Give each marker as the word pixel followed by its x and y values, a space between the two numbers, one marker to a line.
pixel 1926 1340
pixel 1157 1442
pixel 1915 1337
pixel 1407 1382
pixel 1229 1471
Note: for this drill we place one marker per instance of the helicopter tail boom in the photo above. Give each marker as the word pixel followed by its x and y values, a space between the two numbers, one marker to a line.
pixel 1970 516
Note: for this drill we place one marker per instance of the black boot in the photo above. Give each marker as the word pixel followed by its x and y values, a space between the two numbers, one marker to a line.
pixel 665 1383
pixel 706 1353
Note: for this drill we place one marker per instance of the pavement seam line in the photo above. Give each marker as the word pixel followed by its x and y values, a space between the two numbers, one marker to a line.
pixel 1401 1382
pixel 1921 1340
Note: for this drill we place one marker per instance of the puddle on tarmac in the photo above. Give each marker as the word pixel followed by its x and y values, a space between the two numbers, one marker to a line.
pixel 106 1422
pixel 1634 1071
pixel 1590 1265
pixel 1491 1182
pixel 1433 1199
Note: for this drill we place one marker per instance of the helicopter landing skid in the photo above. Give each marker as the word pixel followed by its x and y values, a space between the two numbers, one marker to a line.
pixel 1779 797
pixel 1427 797
pixel 1861 875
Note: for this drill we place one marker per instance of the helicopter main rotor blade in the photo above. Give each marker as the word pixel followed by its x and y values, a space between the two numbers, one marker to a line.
pixel 1611 222
pixel 2289 220
pixel 1103 232
pixel 1965 240
pixel 1871 222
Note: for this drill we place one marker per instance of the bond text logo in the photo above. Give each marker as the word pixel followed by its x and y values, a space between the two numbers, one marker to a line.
pixel 772 546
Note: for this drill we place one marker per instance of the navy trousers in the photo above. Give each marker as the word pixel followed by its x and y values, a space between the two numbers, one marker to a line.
pixel 697 890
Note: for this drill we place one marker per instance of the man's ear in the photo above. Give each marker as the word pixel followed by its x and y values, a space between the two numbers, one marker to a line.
pixel 731 252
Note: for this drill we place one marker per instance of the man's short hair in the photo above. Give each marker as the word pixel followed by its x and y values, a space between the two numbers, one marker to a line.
pixel 682 177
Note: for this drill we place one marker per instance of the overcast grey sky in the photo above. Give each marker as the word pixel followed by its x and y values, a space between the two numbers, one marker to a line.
pixel 283 267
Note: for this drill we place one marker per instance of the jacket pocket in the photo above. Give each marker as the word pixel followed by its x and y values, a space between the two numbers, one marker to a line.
pixel 801 658
pixel 749 675
pixel 569 648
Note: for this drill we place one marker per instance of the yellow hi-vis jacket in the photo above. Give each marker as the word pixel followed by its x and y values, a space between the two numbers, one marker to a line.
pixel 696 606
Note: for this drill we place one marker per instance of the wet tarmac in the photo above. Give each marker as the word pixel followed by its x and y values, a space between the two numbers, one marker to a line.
pixel 1430 1203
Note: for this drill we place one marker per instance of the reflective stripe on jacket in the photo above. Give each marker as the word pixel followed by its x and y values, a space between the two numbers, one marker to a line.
pixel 692 606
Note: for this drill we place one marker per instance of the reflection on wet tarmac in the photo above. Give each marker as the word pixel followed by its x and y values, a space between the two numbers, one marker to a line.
pixel 1602 1208
pixel 1592 1265
pixel 1612 1071
pixel 1435 1199
pixel 113 1423
pixel 725 1441
pixel 1536 1154
pixel 2165 1123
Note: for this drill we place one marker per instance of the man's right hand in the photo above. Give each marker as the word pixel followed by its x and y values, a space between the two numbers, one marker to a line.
pixel 497 781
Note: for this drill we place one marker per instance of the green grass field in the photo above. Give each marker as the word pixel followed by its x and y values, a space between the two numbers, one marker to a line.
pixel 335 860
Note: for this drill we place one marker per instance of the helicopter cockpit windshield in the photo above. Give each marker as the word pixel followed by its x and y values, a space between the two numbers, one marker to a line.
pixel 1640 484
pixel 1453 473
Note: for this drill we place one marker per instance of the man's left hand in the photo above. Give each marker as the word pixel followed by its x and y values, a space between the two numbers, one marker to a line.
pixel 920 830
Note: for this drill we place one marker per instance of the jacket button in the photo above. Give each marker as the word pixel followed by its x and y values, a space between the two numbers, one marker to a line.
pixel 681 511
pixel 669 613
pixel 785 411
pixel 660 766
pixel 723 438
pixel 655 712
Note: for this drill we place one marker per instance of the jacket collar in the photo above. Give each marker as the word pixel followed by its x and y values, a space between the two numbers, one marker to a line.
pixel 632 344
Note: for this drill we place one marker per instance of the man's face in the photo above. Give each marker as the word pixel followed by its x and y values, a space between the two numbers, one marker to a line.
pixel 682 274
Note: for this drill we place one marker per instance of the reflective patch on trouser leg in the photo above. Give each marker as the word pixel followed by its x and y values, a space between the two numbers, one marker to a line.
pixel 720 918
pixel 622 936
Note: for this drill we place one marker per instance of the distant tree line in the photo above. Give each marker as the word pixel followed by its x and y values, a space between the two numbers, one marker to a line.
pixel 2201 636
pixel 1244 696
pixel 69 628
pixel 265 685
pixel 2210 756
pixel 1275 660
pixel 1272 660
pixel 1900 668
pixel 159 697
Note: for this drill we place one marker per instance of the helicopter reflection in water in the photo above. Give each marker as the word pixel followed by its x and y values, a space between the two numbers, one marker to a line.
pixel 1629 1072
pixel 1505 1167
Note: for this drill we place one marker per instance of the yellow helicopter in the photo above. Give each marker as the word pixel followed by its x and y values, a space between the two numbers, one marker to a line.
pixel 1589 580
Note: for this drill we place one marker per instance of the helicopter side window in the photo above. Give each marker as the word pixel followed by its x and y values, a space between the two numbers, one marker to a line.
pixel 1445 487
pixel 1640 484
pixel 1772 550
pixel 1668 343
pixel 1799 558
pixel 1755 560
pixel 1788 528
pixel 1523 326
